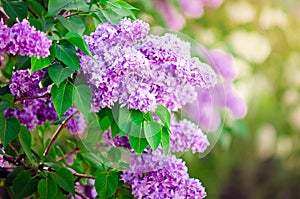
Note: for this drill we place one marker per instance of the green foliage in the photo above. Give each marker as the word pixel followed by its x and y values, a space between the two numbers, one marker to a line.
pixel 62 97
pixel 24 185
pixel 15 9
pixel 47 188
pixel 73 24
pixel 58 73
pixel 106 183
pixel 65 179
pixel 40 63
pixel 9 129
pixel 81 98
pixel 77 40
pixel 25 141
pixel 55 6
pixel 66 53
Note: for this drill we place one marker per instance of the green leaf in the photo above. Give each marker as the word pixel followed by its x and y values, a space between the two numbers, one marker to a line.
pixel 93 159
pixel 25 141
pixel 152 132
pixel 15 9
pixel 111 16
pixel 105 123
pixel 66 53
pixel 3 105
pixel 82 99
pixel 163 114
pixel 47 188
pixel 55 6
pixel 58 73
pixel 65 179
pixel 77 40
pixel 106 184
pixel 11 177
pixel 122 4
pixel 138 143
pixel 9 129
pixel 9 98
pixel 36 7
pixel 72 24
pixel 23 63
pixel 40 63
pixel 165 140
pixel 62 97
pixel 24 185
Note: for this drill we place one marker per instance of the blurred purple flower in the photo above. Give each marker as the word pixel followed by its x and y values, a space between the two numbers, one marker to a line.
pixel 192 8
pixel 173 19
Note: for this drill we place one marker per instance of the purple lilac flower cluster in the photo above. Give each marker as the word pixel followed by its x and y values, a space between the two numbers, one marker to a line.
pixel 87 189
pixel 36 110
pixel 141 71
pixel 186 136
pixel 23 39
pixel 220 97
pixel 157 176
pixel 192 9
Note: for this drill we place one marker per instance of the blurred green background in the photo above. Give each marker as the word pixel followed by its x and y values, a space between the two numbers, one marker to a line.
pixel 261 161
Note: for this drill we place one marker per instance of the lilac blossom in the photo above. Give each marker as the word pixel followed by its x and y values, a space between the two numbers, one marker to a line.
pixel 154 175
pixel 140 71
pixel 211 102
pixel 186 136
pixel 171 16
pixel 24 39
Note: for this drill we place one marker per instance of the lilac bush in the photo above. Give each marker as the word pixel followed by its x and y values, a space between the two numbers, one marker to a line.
pixel 77 97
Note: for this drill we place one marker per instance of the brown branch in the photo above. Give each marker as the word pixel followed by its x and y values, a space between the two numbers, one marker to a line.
pixel 76 150
pixel 80 175
pixel 33 97
pixel 14 149
pixel 55 135
pixel 16 161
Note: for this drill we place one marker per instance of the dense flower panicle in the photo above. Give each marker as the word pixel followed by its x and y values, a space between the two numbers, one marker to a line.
pixel 187 136
pixel 23 83
pixel 157 176
pixel 140 71
pixel 117 141
pixel 24 39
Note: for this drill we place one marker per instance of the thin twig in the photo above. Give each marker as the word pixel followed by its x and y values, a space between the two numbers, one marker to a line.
pixel 80 175
pixel 55 135
pixel 33 97
pixel 81 194
pixel 14 149
pixel 76 150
